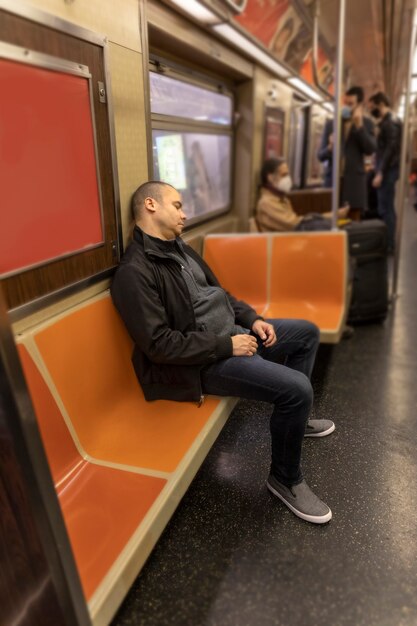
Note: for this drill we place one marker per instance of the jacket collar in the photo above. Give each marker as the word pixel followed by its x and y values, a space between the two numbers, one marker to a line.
pixel 154 246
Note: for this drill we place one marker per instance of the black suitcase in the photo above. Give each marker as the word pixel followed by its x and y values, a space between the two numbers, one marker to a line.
pixel 368 245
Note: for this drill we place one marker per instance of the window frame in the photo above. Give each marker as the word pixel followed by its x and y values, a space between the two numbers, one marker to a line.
pixel 34 288
pixel 166 123
pixel 48 62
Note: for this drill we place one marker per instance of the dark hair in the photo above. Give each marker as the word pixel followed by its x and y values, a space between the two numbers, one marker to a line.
pixel 356 91
pixel 380 98
pixel 151 189
pixel 270 166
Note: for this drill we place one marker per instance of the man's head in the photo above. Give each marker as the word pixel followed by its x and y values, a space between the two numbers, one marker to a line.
pixel 354 96
pixel 157 209
pixel 379 104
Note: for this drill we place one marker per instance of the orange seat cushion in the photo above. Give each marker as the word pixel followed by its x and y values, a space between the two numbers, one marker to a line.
pixel 240 264
pixel 88 354
pixel 101 506
pixel 307 278
pixel 63 456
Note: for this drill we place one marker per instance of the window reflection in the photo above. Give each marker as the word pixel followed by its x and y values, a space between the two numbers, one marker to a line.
pixel 196 164
pixel 180 99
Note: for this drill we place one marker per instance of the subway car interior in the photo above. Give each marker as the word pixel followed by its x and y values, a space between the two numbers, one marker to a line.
pixel 287 132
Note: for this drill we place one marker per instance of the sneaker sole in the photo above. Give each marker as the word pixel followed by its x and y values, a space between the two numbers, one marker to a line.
pixel 314 519
pixel 324 433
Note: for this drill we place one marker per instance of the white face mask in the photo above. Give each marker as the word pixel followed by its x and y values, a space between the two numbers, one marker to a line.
pixel 284 184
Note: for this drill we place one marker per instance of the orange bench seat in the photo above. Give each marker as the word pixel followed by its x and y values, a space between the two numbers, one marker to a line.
pixel 102 506
pixel 296 275
pixel 120 464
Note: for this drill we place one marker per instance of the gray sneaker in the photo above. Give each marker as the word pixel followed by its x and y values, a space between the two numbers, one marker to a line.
pixel 301 501
pixel 319 428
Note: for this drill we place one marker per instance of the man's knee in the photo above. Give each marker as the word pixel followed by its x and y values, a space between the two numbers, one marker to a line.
pixel 305 391
pixel 312 332
pixel 299 392
pixel 299 329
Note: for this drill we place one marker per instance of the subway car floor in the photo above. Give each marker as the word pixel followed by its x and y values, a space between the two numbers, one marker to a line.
pixel 234 555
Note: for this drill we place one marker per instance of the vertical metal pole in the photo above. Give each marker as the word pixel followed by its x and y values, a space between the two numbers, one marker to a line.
pixel 337 125
pixel 403 182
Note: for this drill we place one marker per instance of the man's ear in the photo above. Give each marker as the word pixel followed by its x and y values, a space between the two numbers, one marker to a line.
pixel 150 205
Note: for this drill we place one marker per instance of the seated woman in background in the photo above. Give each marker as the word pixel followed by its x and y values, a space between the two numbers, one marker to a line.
pixel 274 210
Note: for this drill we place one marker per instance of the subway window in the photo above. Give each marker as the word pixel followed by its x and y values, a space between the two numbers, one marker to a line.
pixel 192 140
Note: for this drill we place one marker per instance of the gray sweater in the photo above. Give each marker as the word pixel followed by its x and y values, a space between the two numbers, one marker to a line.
pixel 211 306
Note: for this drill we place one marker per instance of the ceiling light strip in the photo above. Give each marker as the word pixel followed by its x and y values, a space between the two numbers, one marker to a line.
pixel 233 36
pixel 305 89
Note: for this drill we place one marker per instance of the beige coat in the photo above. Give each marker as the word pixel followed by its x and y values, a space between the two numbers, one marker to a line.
pixel 275 212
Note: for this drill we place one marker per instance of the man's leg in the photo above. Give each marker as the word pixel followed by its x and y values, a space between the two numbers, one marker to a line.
pixel 291 394
pixel 297 342
pixel 386 207
pixel 289 391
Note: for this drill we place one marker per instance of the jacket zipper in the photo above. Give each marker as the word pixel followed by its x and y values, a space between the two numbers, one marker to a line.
pixel 201 401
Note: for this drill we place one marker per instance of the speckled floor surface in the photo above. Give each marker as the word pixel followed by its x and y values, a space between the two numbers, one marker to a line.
pixel 234 555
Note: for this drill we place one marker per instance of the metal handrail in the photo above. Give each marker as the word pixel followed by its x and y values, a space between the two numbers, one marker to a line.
pixel 403 163
pixel 337 124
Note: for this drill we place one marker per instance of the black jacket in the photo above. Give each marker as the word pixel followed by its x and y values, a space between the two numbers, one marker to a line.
pixel 389 143
pixel 358 143
pixel 153 300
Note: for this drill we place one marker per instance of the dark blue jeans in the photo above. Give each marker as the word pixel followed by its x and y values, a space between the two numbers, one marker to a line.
pixel 287 386
pixel 386 207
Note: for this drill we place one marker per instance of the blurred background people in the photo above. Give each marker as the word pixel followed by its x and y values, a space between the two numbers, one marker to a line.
pixel 358 141
pixel 201 188
pixel 387 161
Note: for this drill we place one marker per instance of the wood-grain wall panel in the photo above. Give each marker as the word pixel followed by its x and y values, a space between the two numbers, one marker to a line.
pixel 37 282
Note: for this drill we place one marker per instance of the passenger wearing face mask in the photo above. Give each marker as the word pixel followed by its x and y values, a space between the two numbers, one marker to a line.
pixel 358 141
pixel 274 211
pixel 387 161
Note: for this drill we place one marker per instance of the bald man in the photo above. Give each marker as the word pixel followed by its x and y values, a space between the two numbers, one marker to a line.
pixel 193 338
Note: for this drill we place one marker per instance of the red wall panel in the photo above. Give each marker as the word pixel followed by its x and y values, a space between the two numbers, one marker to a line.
pixel 48 182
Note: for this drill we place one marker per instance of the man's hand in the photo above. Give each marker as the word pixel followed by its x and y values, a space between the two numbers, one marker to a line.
pixel 357 116
pixel 342 213
pixel 265 332
pixel 377 181
pixel 244 345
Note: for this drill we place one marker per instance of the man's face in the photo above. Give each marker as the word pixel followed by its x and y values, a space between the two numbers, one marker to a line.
pixel 374 110
pixel 351 101
pixel 169 214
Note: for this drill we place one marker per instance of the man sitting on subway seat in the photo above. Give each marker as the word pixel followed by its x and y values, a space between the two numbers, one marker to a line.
pixel 193 338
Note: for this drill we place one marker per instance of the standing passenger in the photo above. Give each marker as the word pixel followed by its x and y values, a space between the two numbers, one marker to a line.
pixel 387 162
pixel 358 141
pixel 192 338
